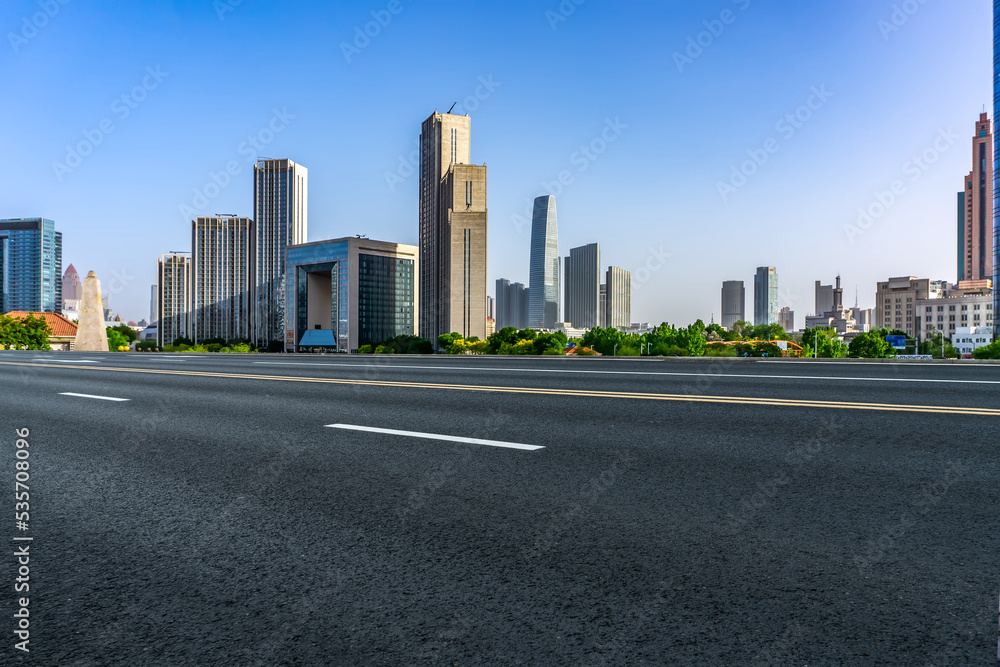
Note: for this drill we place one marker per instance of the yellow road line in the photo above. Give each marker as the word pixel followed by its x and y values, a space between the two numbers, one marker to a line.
pixel 583 393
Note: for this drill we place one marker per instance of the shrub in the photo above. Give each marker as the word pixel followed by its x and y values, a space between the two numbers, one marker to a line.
pixel 145 345
pixel 991 351
pixel 116 340
pixel 365 349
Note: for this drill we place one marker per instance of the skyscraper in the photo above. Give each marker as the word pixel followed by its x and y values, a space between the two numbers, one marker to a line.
pixel 583 286
pixel 996 171
pixel 734 303
pixel 975 207
pixel 72 289
pixel 512 301
pixel 30 266
pixel 453 217
pixel 281 219
pixel 173 280
pixel 221 278
pixel 824 298
pixel 543 306
pixel 618 298
pixel 786 318
pixel 765 296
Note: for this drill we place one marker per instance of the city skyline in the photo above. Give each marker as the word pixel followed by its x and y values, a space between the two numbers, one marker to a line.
pixel 816 163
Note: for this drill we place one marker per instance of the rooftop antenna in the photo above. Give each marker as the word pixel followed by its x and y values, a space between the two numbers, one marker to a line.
pixel 453 107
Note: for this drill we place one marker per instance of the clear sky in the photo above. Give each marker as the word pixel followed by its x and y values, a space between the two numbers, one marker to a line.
pixel 182 85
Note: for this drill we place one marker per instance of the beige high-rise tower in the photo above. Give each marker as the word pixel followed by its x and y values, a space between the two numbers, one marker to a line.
pixel 453 218
pixel 975 209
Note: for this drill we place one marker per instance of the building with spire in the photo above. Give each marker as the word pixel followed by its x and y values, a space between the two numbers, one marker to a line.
pixel 975 209
pixel 453 218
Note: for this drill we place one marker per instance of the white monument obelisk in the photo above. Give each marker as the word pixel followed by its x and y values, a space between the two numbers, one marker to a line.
pixel 91 334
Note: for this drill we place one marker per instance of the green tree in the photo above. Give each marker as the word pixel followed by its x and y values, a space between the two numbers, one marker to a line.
pixel 991 351
pixel 129 333
pixel 29 332
pixel 445 340
pixel 825 341
pixel 872 345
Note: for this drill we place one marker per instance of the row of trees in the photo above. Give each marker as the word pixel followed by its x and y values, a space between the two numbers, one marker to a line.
pixel 507 341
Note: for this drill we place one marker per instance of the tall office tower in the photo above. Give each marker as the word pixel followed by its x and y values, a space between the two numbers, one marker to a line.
pixel 221 278
pixel 786 318
pixel 765 296
pixel 996 171
pixel 543 308
pixel 618 308
pixel 583 286
pixel 72 289
pixel 453 218
pixel 511 305
pixel 734 303
pixel 824 299
pixel 281 217
pixel 30 266
pixel 152 305
pixel 173 280
pixel 975 206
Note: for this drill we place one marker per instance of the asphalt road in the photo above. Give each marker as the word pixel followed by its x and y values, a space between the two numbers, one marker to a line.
pixel 675 512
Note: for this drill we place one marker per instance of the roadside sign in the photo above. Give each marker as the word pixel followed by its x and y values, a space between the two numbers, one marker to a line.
pixel 898 342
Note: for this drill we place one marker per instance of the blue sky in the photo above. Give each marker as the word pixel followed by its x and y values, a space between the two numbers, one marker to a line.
pixel 183 84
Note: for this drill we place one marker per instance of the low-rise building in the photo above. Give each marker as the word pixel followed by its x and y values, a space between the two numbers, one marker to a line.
pixel 967 340
pixel 63 336
pixel 348 292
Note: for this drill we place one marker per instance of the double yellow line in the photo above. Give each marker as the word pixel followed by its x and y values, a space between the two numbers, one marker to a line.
pixel 580 393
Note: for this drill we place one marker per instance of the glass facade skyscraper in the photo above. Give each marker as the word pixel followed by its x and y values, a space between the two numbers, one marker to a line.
pixel 543 283
pixel 765 296
pixel 30 266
